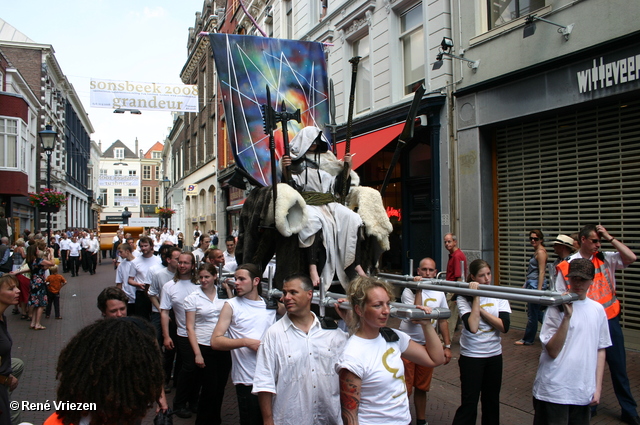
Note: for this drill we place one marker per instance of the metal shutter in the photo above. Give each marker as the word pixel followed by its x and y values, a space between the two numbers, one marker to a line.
pixel 560 173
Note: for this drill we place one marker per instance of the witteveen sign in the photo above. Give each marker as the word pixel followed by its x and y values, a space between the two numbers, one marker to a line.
pixel 144 96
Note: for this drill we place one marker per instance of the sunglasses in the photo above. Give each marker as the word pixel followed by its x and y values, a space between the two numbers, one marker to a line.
pixel 534 239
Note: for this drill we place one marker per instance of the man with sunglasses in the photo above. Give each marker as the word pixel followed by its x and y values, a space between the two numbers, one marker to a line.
pixel 603 290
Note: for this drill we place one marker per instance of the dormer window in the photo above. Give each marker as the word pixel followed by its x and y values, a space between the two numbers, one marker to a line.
pixel 118 153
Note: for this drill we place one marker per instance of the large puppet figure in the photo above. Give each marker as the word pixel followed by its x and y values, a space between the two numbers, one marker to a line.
pixel 330 236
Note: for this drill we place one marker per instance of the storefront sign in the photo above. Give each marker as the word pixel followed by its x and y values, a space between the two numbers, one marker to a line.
pixel 144 222
pixel 608 73
pixel 192 189
pixel 143 96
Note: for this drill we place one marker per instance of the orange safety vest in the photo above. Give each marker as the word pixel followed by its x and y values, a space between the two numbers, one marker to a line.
pixel 53 420
pixel 601 289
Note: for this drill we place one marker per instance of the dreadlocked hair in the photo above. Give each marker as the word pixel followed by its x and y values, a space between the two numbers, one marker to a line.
pixel 114 363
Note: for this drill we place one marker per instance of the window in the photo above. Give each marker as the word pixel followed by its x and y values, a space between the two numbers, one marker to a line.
pixel 8 143
pixel 157 195
pixel 156 154
pixel 146 172
pixel 412 40
pixel 363 83
pixel 117 172
pixel 118 153
pixel 132 192
pixel 288 5
pixel 103 172
pixel 146 195
pixel 133 172
pixel 116 194
pixel 504 11
pixel 103 197
pixel 157 173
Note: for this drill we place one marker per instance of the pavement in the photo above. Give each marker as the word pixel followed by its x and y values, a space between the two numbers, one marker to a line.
pixel 40 349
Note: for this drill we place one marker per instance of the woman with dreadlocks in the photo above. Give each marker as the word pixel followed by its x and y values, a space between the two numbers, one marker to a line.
pixel 113 365
pixel 317 173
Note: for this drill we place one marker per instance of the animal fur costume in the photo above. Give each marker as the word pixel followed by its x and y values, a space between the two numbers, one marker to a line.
pixel 338 225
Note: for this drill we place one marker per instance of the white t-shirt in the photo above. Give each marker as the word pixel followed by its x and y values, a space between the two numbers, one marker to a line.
pixel 122 276
pixel 250 319
pixel 173 295
pixel 199 254
pixel 430 299
pixel 207 313
pixel 144 264
pixel 570 378
pixel 64 244
pixel 74 249
pixel 378 364
pixel 299 368
pixel 230 264
pixel 486 342
pixel 158 276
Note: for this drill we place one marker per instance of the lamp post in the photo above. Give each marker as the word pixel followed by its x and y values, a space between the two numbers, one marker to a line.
pixel 48 137
pixel 166 182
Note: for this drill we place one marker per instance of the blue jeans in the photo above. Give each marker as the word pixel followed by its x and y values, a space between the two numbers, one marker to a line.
pixel 534 314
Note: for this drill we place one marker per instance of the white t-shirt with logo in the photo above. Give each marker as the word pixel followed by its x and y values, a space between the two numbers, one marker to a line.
pixel 486 342
pixel 383 398
pixel 430 299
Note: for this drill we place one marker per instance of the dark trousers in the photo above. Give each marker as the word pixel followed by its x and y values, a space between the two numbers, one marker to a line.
pixel 188 378
pixel 143 305
pixel 534 315
pixel 617 361
pixel 214 379
pixel 131 309
pixel 169 355
pixel 480 378
pixel 560 414
pixel 74 264
pixel 93 262
pixel 64 261
pixel 53 299
pixel 248 406
pixel 85 260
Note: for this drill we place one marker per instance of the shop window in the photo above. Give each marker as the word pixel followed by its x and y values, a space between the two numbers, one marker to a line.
pixel 503 11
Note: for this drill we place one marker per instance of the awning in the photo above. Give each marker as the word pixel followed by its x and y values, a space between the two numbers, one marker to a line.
pixel 366 145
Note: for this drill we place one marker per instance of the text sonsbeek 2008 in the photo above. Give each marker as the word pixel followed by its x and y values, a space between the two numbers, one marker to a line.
pixel 57 405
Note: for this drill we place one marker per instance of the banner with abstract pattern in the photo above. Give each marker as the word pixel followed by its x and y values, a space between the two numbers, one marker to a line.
pixel 295 72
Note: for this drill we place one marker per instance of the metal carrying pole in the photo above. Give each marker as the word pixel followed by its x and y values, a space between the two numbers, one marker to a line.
pixel 399 310
pixel 533 296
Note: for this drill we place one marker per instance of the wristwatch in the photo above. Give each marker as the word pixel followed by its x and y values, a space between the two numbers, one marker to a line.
pixel 447 346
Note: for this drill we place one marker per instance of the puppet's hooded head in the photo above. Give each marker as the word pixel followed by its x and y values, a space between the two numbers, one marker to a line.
pixel 304 139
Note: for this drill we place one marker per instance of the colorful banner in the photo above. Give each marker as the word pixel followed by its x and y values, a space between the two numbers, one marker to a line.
pixel 143 96
pixel 295 72
pixel 118 181
pixel 126 201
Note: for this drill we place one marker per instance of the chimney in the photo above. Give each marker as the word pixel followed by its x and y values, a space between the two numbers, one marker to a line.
pixel 141 154
pixel 136 145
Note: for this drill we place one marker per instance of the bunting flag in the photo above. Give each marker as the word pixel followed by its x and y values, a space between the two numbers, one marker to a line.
pixel 295 72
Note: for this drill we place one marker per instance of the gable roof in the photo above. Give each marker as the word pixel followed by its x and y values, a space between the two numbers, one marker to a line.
pixel 157 146
pixel 10 33
pixel 128 153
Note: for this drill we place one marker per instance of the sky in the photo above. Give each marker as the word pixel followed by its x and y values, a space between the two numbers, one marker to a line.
pixel 135 40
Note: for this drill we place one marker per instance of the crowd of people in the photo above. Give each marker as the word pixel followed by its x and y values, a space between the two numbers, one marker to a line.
pixel 211 322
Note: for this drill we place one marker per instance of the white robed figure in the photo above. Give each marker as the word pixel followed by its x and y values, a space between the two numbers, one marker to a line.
pixel 316 173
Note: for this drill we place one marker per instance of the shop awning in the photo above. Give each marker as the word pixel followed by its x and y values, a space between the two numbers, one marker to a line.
pixel 366 145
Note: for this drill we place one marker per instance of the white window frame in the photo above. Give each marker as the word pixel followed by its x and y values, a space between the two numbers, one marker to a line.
pixel 118 153
pixel 363 99
pixel 407 35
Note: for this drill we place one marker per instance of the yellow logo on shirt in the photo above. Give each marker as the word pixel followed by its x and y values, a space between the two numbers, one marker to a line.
pixel 393 371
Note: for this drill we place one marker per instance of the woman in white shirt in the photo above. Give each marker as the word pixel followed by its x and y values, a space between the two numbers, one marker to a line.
pixel 202 309
pixel 480 359
pixel 372 388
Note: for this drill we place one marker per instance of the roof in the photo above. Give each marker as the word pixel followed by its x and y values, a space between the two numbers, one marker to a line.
pixel 10 33
pixel 157 146
pixel 109 152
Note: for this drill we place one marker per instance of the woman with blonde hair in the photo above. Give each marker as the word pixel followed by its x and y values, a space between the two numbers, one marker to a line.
pixel 372 388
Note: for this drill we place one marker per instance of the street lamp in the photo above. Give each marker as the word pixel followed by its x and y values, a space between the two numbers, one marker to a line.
pixel 48 137
pixel 166 182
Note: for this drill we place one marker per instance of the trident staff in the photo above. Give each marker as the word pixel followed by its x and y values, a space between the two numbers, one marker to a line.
pixel 492 291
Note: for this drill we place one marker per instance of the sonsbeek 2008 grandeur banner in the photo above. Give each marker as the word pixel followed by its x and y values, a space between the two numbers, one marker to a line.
pixel 143 96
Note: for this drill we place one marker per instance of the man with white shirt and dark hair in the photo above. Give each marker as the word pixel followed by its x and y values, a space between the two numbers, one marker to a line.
pixel 286 375
pixel 230 264
pixel 144 263
pixel 64 252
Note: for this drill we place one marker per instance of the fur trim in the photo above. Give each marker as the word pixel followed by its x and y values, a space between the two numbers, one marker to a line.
pixel 368 203
pixel 291 211
pixel 334 166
